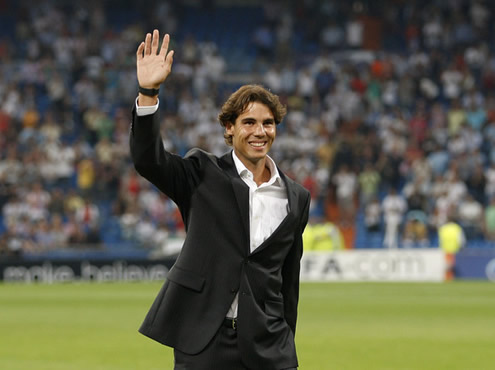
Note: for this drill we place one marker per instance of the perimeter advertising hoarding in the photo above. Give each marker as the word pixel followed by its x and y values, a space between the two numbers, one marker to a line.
pixel 353 265
pixel 84 270
pixel 374 265
pixel 475 264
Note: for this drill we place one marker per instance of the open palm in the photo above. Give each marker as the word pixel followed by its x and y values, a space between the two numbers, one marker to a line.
pixel 153 67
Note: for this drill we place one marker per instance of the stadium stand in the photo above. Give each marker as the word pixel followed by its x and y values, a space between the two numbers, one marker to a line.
pixel 401 93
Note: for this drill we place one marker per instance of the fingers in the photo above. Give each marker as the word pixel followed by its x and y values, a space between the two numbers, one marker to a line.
pixel 165 43
pixel 170 59
pixel 168 55
pixel 154 42
pixel 147 44
pixel 139 52
pixel 150 46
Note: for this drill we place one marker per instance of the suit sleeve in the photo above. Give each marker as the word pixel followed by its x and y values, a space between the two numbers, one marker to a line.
pixel 171 174
pixel 291 271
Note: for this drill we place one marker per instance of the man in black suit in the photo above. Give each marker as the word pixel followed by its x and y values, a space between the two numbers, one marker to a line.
pixel 230 300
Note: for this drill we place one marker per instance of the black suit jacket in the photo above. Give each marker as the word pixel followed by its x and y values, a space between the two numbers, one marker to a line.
pixel 215 262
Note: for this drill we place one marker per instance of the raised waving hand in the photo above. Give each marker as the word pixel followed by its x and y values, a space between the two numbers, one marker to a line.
pixel 153 65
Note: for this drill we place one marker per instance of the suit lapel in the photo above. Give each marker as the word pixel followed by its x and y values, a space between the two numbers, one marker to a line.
pixel 241 191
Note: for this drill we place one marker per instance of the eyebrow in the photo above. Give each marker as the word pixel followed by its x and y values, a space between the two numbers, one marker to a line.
pixel 250 119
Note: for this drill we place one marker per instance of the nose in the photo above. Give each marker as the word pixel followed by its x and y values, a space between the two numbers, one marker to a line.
pixel 259 129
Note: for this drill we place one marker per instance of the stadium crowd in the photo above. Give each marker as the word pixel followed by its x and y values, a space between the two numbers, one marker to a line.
pixel 391 113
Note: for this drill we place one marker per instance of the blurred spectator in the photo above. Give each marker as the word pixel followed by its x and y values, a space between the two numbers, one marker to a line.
pixel 354 32
pixel 489 173
pixel 77 238
pixel 37 197
pixel 92 236
pixel 59 234
pixel 438 160
pixel 44 238
pixel 476 183
pixel 145 231
pixel 332 35
pixel 389 167
pixel 372 215
pixel 85 176
pixel 369 183
pixel 470 216
pixel 129 219
pixel 455 117
pixel 88 215
pixel 346 185
pixel 104 150
pixel 489 221
pixel 456 188
pixel 10 166
pixel 323 236
pixel 451 238
pixel 14 210
pixel 264 41
pixel 394 207
pixel 130 185
pixel 73 202
pixel 57 202
pixel 4 246
pixel 416 230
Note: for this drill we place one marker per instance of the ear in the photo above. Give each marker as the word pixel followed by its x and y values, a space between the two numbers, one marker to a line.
pixel 229 128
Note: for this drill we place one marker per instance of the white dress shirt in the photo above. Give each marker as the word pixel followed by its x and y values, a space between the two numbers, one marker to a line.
pixel 268 206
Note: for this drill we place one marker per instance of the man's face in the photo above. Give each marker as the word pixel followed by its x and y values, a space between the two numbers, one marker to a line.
pixel 253 133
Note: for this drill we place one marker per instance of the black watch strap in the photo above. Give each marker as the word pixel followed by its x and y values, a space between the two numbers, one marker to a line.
pixel 149 92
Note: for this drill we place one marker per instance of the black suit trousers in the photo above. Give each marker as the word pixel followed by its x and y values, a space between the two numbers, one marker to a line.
pixel 221 353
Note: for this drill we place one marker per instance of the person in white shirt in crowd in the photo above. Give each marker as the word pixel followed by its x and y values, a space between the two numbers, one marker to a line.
pixel 346 183
pixel 394 207
pixel 470 216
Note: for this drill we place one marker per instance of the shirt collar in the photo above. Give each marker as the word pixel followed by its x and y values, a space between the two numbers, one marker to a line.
pixel 242 170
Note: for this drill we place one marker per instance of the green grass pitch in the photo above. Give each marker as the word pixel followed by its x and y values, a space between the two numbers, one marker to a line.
pixel 341 326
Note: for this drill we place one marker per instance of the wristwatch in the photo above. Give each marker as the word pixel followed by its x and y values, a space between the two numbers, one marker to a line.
pixel 148 92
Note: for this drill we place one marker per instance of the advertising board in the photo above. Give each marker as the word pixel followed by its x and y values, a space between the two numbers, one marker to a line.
pixel 84 270
pixel 349 265
pixel 475 264
pixel 374 265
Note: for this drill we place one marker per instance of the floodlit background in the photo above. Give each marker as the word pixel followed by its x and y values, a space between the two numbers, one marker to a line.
pixel 391 126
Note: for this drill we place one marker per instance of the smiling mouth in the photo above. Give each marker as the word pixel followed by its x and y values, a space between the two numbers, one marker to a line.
pixel 257 144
